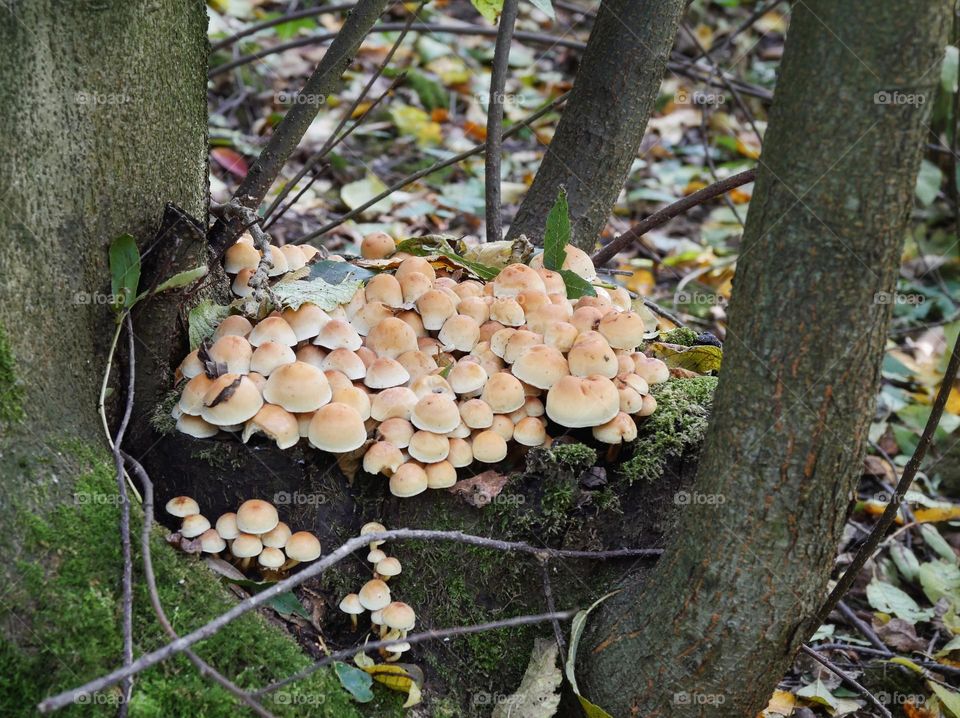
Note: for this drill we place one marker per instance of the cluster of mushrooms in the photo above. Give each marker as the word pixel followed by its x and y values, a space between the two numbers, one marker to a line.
pixel 390 619
pixel 254 533
pixel 423 371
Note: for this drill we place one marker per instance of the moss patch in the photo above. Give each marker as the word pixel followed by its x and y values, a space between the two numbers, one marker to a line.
pixel 685 336
pixel 11 392
pixel 65 617
pixel 677 426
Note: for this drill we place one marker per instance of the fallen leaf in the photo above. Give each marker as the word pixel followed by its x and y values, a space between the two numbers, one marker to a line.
pixel 887 598
pixel 781 705
pixel 231 160
pixel 899 634
pixel 481 489
pixel 537 696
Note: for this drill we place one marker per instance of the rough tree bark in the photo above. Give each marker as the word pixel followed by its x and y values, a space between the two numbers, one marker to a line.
pixel 716 625
pixel 601 129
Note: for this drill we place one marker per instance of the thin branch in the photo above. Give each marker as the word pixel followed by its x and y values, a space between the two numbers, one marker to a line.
pixel 420 174
pixel 935 665
pixel 551 605
pixel 205 669
pixel 498 84
pixel 854 620
pixel 273 22
pixel 415 638
pixel 847 679
pixel 290 131
pixel 657 309
pixel 662 216
pixel 61 700
pixel 906 478
pixel 758 13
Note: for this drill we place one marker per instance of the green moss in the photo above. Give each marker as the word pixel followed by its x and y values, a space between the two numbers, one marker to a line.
pixel 161 419
pixel 685 336
pixel 678 425
pixel 11 391
pixel 65 617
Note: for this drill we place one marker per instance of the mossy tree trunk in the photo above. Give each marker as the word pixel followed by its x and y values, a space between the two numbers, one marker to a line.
pixel 604 121
pixel 715 626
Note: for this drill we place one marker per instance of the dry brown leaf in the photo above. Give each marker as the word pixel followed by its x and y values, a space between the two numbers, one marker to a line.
pixel 481 489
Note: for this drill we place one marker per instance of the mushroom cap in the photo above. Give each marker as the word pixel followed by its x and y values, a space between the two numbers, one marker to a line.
pixel 428 447
pixel 233 325
pixel 271 557
pixel 586 319
pixel 417 364
pixel 489 447
pixel 591 354
pixel 273 329
pixel 212 542
pixel 384 288
pixel 397 431
pixel 388 566
pixel 399 647
pixel 533 406
pixel 309 251
pixel 507 311
pixel 227 526
pixel 541 366
pixel 377 245
pixel 351 604
pixel 476 308
pixel 337 379
pixel 618 430
pixel 540 319
pixel 295 258
pixel 432 384
pixel 577 402
pixel 196 427
pixel 191 398
pixel 374 595
pixel 441 475
pixel 437 413
pixel 649 405
pixel 503 425
pixel 277 262
pixel 311 354
pixel 191 365
pixel 382 457
pixel 240 256
pixel 307 321
pixel 518 343
pixel 231 399
pixel 413 320
pixel 416 265
pixel 397 402
pixel 392 337
pixel 182 506
pixel 503 393
pixel 435 307
pixel 298 387
pixel 194 525
pixel 576 260
pixel 476 414
pixel 373 527
pixel 347 362
pixel 376 555
pixel 366 319
pixel 355 397
pixel 246 546
pixel 653 370
pixel 467 376
pixel 277 537
pixel 398 615
pixel 530 431
pixel 256 516
pixel 277 423
pixel 461 454
pixel 408 480
pixel 270 355
pixel 517 278
pixel 338 334
pixel 337 428
pixel 460 333
pixel 385 373
pixel 414 285
pixel 499 340
pixel 303 546
pixel 622 330
pixel 241 283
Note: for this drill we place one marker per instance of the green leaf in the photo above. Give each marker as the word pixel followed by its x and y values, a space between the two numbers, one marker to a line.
pixel 431 93
pixel 577 626
pixel 887 598
pixel 940 579
pixel 702 359
pixel 124 271
pixel 936 543
pixel 545 6
pixel 490 9
pixel 949 699
pixel 358 683
pixel 576 285
pixel 557 233
pixel 182 279
pixel 356 194
pixel 928 183
pixel 315 291
pixel 337 272
pixel 203 320
pixel 818 692
pixel 286 604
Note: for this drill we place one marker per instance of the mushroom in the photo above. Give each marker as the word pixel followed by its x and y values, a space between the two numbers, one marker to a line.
pixel 460 332
pixel 241 283
pixel 373 527
pixel 623 330
pixel 541 366
pixel 467 376
pixel 428 447
pixel 417 364
pixel 654 371
pixel 530 431
pixel 351 605
pixel 376 556
pixel 441 474
pixel 385 373
pixel 414 285
pixel 507 311
pixel 503 425
pixel 271 561
pixel 576 260
pixel 298 387
pixel 397 431
pixel 277 262
pixel 356 397
pixel 416 265
pixel 295 258
pixel 256 516
pixel 377 245
pixel 435 308
pixel 382 458
pixel 577 402
pixel 338 334
pixel 591 354
pixel 375 595
pixel 397 402
pixel 270 355
pixel 276 537
pixel 196 427
pixel 337 428
pixel 246 547
pixel 231 399
pixel 408 480
pixel 476 414
pixel 301 547
pixel 277 423
pixel 227 526
pixel 191 399
pixel 387 568
pixel 475 308
pixel 384 288
pixel 182 506
pixel 212 542
pixel 273 329
pixel 240 256
pixel 346 362
pixel 620 429
pixel 461 454
pixel 233 325
pixel 307 321
pixel 515 279
pixel 437 413
pixel 489 447
pixel 503 393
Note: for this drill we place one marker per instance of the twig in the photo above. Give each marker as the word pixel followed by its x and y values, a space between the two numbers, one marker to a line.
pixel 760 11
pixel 662 216
pixel 291 129
pixel 415 638
pixel 935 665
pixel 906 478
pixel 498 84
pixel 847 679
pixel 657 309
pixel 273 22
pixel 203 667
pixel 147 660
pixel 410 179
pixel 861 625
pixel 551 605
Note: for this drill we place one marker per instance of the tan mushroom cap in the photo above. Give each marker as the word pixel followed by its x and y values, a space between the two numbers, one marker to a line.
pixel 373 527
pixel 631 401
pixel 428 447
pixel 541 318
pixel 388 567
pixel 233 325
pixel 416 265
pixel 618 430
pixel 459 333
pixel 382 458
pixel 303 546
pixel 533 406
pixel 541 366
pixel 577 402
pixel 437 413
pixel 395 403
pixel 277 262
pixel 503 393
pixel 476 308
pixel 507 311
pixel 591 354
pixel 374 595
pixel 273 329
pixel 391 338
pixel 311 354
pixel 441 474
pixel 307 321
pixel 194 525
pixel 649 405
pixel 338 334
pixel 356 397
pixel 384 288
pixel 408 480
pixel 346 362
pixel 397 431
pixel 191 365
pixel 234 351
pixel 530 431
pixel 377 245
pixel 518 343
pixel 298 387
pixel 517 278
pixel 191 399
pixel 435 307
pixel 489 447
pixel 622 330
pixel 553 281
pixel 461 454
pixel 337 428
pixel 295 258
pixel 467 376
pixel 500 339
pixel 271 558
pixel 653 370
pixel 351 605
pixel 417 364
pixel 212 542
pixel 385 373
pixel 309 251
pixel 256 516
pixel 576 261
pixel 277 423
pixel 182 506
pixel 369 316
pixel 376 555
pixel 270 355
pixel 586 319
pixel 337 379
pixel 241 283
pixel 246 546
pixel 277 537
pixel 227 526
pixel 414 285
pixel 241 256
pixel 231 399
pixel 196 427
pixel 398 616
pixel 503 425
pixel 432 384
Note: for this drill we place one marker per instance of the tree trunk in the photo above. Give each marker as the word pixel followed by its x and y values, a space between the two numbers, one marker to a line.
pixel 601 129
pixel 718 622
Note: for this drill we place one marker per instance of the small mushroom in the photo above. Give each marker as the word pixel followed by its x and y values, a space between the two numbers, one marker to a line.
pixel 374 595
pixel 182 506
pixel 351 605
pixel 194 525
pixel 301 547
pixel 257 517
pixel 387 568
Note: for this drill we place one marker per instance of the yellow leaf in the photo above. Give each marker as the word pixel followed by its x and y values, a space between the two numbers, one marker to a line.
pixel 937 513
pixel 748 148
pixel 417 123
pixel 781 703
pixel 701 359
pixel 401 677
pixel 641 281
pixel 953 401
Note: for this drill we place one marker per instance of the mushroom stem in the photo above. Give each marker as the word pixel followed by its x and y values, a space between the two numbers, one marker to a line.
pixel 393 657
pixel 245 564
pixel 353 621
pixel 613 451
pixel 290 563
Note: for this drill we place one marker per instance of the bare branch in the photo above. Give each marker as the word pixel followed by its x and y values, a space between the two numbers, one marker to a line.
pixel 280 20
pixel 847 679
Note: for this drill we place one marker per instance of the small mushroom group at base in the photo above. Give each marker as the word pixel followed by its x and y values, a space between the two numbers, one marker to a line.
pixel 253 536
pixel 427 373
pixel 389 619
